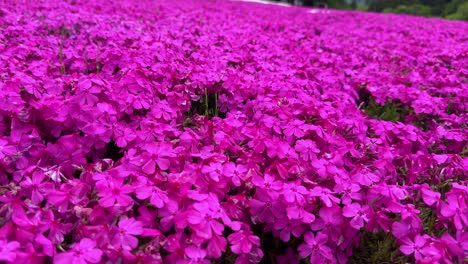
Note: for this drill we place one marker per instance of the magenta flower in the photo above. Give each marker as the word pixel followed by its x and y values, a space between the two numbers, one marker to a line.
pixel 277 148
pixel 365 178
pixel 126 232
pixel 175 244
pixel 378 220
pixel 214 170
pixel 37 186
pixel 294 192
pixel 123 136
pixel 457 245
pixel 455 209
pixel 296 128
pixel 158 197
pixel 325 195
pixel 5 149
pixel 307 149
pixel 238 173
pixel 315 248
pixel 350 192
pixel 329 222
pixel 402 229
pixel 420 247
pixel 429 197
pixel 196 255
pixel 61 199
pixel 57 229
pixel 285 227
pixel 358 214
pixel 216 246
pixel 243 241
pixel 268 184
pixel 83 252
pixel 88 92
pixel 8 250
pixel 298 211
pixel 266 209
pixel 204 220
pixel 114 194
pixel 157 154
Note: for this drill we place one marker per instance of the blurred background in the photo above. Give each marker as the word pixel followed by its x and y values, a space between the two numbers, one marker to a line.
pixel 450 9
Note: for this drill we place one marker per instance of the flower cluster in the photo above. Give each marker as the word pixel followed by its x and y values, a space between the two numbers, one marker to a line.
pixel 200 131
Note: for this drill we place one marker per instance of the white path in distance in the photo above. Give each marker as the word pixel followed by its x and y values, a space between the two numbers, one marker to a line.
pixel 312 11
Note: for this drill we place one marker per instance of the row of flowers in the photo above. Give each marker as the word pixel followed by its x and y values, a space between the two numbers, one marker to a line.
pixel 201 131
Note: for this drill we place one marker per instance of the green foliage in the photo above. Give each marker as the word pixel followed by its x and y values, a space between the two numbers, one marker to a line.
pixel 338 4
pixel 363 8
pixel 391 111
pixel 461 14
pixel 395 111
pixel 206 106
pixel 381 5
pixel 379 247
pixel 455 16
pixel 455 9
pixel 416 9
pixel 451 7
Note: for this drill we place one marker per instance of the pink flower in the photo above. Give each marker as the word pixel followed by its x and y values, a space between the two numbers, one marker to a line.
pixel 329 222
pixel 307 149
pixel 298 211
pixel 266 209
pixel 285 227
pixel 243 241
pixel 57 229
pixel 294 192
pixel 126 232
pixel 8 250
pixel 204 220
pixel 420 247
pixel 157 196
pixel 114 194
pixel 268 184
pixel 37 186
pixel 458 245
pixel 196 255
pixel 296 128
pixel 456 209
pixel 358 213
pixel 237 172
pixel 157 154
pixel 83 252
pixel 325 195
pixel 350 191
pixel 214 170
pixel 123 135
pixel 365 178
pixel 5 149
pixel 216 246
pixel 87 92
pixel 429 197
pixel 315 248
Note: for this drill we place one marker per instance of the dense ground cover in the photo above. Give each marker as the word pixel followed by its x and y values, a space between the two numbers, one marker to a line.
pixel 221 132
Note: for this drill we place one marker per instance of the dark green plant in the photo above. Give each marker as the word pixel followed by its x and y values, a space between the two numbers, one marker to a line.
pixel 390 111
pixel 207 105
pixel 379 247
pixel 461 13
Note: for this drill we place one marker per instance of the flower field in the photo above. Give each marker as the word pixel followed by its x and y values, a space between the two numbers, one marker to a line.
pixel 220 131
